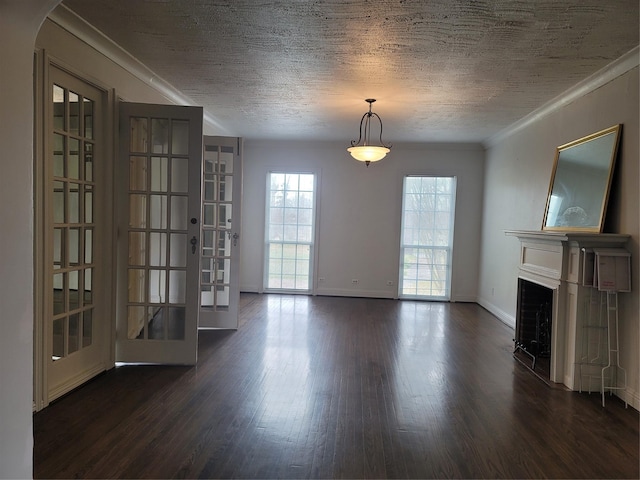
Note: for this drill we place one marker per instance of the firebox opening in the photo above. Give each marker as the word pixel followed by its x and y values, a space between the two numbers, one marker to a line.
pixel 533 327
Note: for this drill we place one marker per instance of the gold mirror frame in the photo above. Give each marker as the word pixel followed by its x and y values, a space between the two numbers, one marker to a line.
pixel 580 183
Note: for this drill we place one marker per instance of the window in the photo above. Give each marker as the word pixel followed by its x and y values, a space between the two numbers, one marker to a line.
pixel 289 231
pixel 428 206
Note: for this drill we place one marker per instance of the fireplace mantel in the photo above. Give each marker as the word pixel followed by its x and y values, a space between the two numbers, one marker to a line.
pixel 555 260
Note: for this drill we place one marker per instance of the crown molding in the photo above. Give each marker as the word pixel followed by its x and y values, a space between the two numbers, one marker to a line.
pixel 622 65
pixel 87 33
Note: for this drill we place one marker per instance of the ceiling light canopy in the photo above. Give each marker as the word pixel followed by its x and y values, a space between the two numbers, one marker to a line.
pixel 363 150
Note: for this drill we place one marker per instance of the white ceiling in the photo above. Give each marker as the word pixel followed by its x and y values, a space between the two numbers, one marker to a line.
pixel 441 70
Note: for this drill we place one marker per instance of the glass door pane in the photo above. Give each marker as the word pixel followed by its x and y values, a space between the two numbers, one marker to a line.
pixel 71 214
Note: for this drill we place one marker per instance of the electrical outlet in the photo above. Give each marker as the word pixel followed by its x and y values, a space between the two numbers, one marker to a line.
pixel 493 292
pixel 389 283
pixel 354 281
pixel 321 280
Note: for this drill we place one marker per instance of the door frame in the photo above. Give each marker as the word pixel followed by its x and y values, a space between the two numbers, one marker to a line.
pixel 43 62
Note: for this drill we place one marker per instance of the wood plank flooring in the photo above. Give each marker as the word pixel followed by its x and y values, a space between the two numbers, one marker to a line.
pixel 326 387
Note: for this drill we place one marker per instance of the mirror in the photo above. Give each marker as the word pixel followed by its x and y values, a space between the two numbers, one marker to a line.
pixel 579 187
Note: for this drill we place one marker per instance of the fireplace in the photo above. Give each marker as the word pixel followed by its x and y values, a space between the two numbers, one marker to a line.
pixel 534 320
pixel 552 298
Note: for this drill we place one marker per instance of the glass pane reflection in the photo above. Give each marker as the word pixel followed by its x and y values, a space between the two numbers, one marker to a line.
pixel 73 160
pixel 137 211
pixel 88 203
pixel 157 249
pixel 180 137
pixel 179 212
pixel 88 118
pixel 59 303
pixel 159 173
pixel 137 173
pixel 135 322
pixel 88 246
pixel 177 286
pixel 74 113
pixel 74 292
pixel 136 285
pixel 157 286
pixel 74 333
pixel 58 155
pixel 88 286
pixel 74 246
pixel 159 135
pixel 180 175
pixel 156 325
pixel 177 323
pixel 88 162
pixel 58 107
pixel 58 202
pixel 74 203
pixel 139 134
pixel 87 328
pixel 137 248
pixel 58 239
pixel 58 339
pixel 158 211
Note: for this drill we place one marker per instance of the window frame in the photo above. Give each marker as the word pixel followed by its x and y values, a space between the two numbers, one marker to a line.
pixel 314 232
pixel 448 248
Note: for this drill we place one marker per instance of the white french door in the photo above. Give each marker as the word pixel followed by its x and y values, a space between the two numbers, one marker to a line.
pixel 220 233
pixel 76 196
pixel 159 175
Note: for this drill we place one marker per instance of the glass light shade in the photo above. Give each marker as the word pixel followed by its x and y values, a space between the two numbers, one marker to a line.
pixel 368 153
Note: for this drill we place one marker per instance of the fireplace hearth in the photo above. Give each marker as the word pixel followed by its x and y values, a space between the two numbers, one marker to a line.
pixel 533 327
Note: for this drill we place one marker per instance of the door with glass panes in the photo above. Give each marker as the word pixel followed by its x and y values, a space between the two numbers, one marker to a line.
pixel 159 172
pixel 220 263
pixel 75 208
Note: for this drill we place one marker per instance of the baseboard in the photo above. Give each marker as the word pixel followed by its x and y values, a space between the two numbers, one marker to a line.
pixel 331 292
pixel 250 289
pixel 464 299
pixel 503 316
pixel 631 397
pixel 75 382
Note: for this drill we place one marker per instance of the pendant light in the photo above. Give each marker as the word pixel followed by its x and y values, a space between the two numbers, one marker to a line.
pixel 363 150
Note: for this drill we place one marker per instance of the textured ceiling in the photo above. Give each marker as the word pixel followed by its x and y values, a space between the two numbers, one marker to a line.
pixel 444 70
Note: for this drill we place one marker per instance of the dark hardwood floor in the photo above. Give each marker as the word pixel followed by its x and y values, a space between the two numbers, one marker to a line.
pixel 325 387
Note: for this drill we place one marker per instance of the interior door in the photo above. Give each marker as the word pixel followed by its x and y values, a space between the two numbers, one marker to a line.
pixel 159 227
pixel 222 194
pixel 76 230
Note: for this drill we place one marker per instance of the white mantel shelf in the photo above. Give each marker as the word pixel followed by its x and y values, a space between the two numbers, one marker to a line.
pixel 554 260
pixel 583 238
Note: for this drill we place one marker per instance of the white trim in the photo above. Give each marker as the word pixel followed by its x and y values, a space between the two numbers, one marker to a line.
pixel 503 316
pixel 75 382
pixel 87 33
pixel 615 69
pixel 345 292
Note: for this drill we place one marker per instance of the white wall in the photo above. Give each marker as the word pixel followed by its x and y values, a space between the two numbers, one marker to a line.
pixel 359 212
pixel 518 170
pixel 19 23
